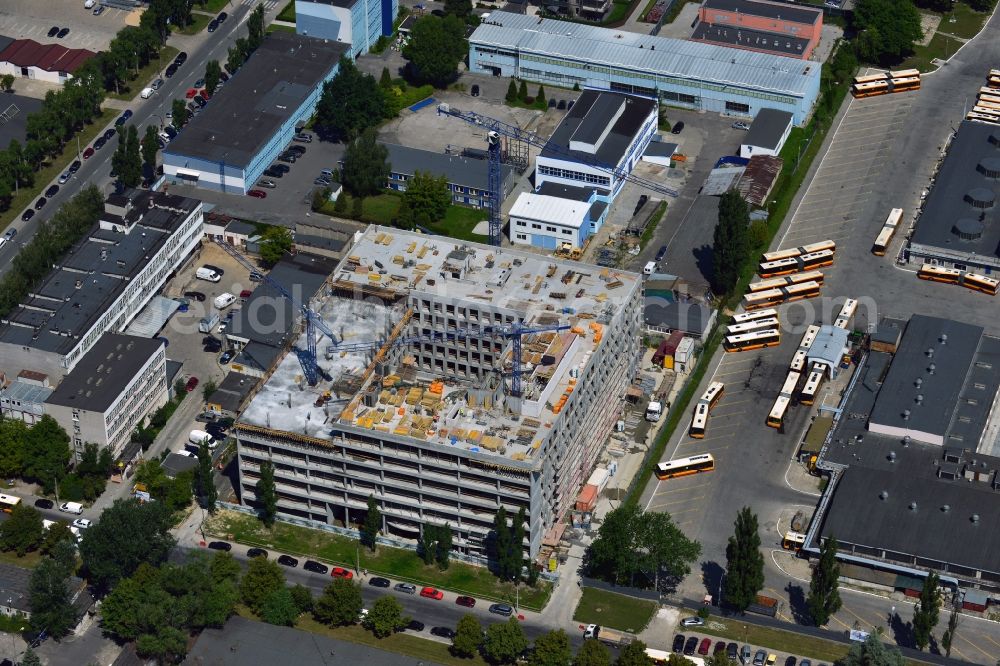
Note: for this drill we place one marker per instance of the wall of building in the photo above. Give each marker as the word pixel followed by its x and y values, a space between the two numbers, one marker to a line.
pixel 953 258
pixel 812 32
pixel 685 93
pixel 546 234
pixel 359 25
pixel 34 73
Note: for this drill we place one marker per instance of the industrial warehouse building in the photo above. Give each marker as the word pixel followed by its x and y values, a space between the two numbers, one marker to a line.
pixel 555 216
pixel 915 452
pixel 788 30
pixel 52 63
pixel 247 124
pixel 357 23
pixel 959 226
pixel 427 420
pixel 102 284
pixel 678 72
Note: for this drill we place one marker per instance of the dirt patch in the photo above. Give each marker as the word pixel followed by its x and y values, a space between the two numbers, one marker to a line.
pixel 929 24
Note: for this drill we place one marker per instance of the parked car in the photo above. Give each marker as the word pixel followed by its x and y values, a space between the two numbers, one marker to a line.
pixel 378 581
pixel 283 168
pixel 181 58
pixel 789 661
pixel 443 632
pixel 315 567
pixel 323 182
pixel 171 70
pixel 206 417
pixel 62 33
pixel 502 609
pixel 75 166
pixel 288 561
pixel 87 154
pixel 226 357
pixel 287 157
pixel 192 384
pixel 42 503
pixel 257 194
pixel 679 643
pixel 109 133
pixel 191 92
pixel 65 177
pixel 468 602
pixel 99 9
pixel 475 90
pixel 213 25
pixel 706 645
pixel 221 18
pixel 661 253
pixel 741 125
pixel 693 621
pixel 40 204
pixel 269 184
pixel 82 523
pixel 720 646
pixel 271 172
pixel 691 645
pixel 561 105
pixel 170 131
pixel 415 625
pixel 341 572
pixel 53 31
pixel 408 588
pixel 98 144
pixel 27 215
pixel 759 658
pixel 298 150
pixel 257 552
pixel 51 191
pixel 196 295
pixel 303 137
pixel 678 127
pixel 432 593
pixel 215 269
pixel 220 545
pixel 733 651
pixel 200 100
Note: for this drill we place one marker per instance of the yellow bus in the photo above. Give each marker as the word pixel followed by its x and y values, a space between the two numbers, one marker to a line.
pixel 754 314
pixel 984 103
pixel 808 394
pixel 736 329
pixel 984 111
pixel 939 274
pixel 776 417
pixel 805 262
pixel 799 360
pixel 699 419
pixel 905 74
pixel 870 89
pixel 8 502
pixel 793 540
pixel 772 297
pixel 799 251
pixel 981 117
pixel 809 337
pixel 981 283
pixel 713 394
pixel 703 462
pixel 774 283
pixel 754 340
pixel 992 99
pixel 846 314
pixel 904 84
pixel 984 91
pixel 887 232
pixel 869 78
pixel 993 81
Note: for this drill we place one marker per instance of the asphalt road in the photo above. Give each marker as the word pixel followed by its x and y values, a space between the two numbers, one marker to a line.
pixel 96 170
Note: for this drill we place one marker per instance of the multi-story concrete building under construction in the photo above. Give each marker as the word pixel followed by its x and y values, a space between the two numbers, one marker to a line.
pixel 418 404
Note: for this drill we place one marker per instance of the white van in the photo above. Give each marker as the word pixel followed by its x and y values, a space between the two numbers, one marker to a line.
pixel 224 300
pixel 208 322
pixel 649 268
pixel 196 437
pixel 73 507
pixel 207 274
pixel 146 93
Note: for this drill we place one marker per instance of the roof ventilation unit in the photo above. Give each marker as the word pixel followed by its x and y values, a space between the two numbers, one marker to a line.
pixel 884 495
pixel 931 368
pixel 930 352
pixel 919 399
pixel 975 518
pixel 906 415
pixel 945 508
pixel 913 506
pixel 944 338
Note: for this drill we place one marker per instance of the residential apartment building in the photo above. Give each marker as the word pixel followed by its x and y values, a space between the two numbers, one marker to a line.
pixel 102 283
pixel 468 178
pixel 434 425
pixel 110 392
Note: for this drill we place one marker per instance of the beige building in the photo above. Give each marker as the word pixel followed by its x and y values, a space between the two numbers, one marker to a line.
pixel 110 392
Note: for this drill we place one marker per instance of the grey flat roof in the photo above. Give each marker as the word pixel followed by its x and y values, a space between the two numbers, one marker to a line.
pixel 767 10
pixel 829 345
pixel 960 182
pixel 104 372
pixel 322 242
pixel 661 149
pixel 745 38
pixel 232 391
pixel 954 361
pixel 593 112
pixel 284 70
pixel 767 128
pixel 241 228
pixel 244 642
pixel 104 264
pixel 175 464
pixel 552 189
pixel 458 170
pixel 889 330
pixel 687 317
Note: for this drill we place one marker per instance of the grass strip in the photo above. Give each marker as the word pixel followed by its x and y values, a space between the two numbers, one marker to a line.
pixel 610 609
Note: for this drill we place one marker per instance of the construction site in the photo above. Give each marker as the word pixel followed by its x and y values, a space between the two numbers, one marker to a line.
pixel 458 378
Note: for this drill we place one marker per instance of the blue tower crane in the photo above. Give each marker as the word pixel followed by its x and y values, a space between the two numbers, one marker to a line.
pixel 307 356
pixel 495 129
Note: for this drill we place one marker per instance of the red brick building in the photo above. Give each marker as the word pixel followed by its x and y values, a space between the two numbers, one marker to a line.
pixel 769 27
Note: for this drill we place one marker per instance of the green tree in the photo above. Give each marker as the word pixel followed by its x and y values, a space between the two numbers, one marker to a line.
pixel 7 82
pixel 351 102
pixel 887 29
pixel 57 533
pixel 339 604
pixel 340 205
pixel 731 243
pixel 425 201
pixel 167 645
pixel 515 558
pixel 280 608
pixel 213 74
pixel 203 484
pixel 873 652
pixel 823 599
pixel 149 149
pixel 224 567
pixel 46 448
pixel 460 8
pixel 504 641
pixel 386 617
pixel 468 636
pixel 267 494
pixel 948 637
pixel 238 54
pixel 178 113
pixel 303 597
pixel 13 434
pixel 501 544
pixel 357 207
pixel 129 533
pixel 23 531
pixel 977 5
pixel 551 649
pixel 29 658
pixel 262 579
pixel 435 48
pixel 511 96
pixel 522 91
pixel 443 547
pixel 366 166
pixel 372 525
pixel 540 97
pixel 50 595
pixel 385 81
pixel 428 539
pixel 256 27
pixel 925 611
pixel 275 242
pixel 633 654
pixel 592 653
pixel 744 562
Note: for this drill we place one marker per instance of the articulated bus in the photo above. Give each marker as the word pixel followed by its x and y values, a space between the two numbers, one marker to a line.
pixel 981 283
pixel 805 262
pixel 799 251
pixel 8 502
pixel 982 110
pixel 905 84
pixel 808 394
pixel 776 418
pixel 905 74
pixel 870 89
pixel 713 394
pixel 988 99
pixel 774 283
pixel 736 329
pixel 753 340
pixel 981 117
pixel 703 462
pixel 939 274
pixel 754 314
pixel 988 92
pixel 799 360
pixel 869 78
pixel 887 232
pixel 846 313
pixel 793 540
pixel 809 337
pixel 706 403
pixel 772 297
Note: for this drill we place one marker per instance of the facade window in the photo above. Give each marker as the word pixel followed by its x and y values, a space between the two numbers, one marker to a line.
pixel 535 226
pixel 737 107
pixel 522 236
pixel 568 232
pixel 548 228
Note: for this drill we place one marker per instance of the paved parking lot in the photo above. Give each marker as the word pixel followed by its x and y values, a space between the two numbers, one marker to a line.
pixel 31 19
pixel 714 641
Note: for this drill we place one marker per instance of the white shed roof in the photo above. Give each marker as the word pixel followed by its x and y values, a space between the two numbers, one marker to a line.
pixel 554 210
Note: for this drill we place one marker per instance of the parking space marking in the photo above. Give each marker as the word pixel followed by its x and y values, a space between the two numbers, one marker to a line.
pixel 688 500
pixel 963 638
